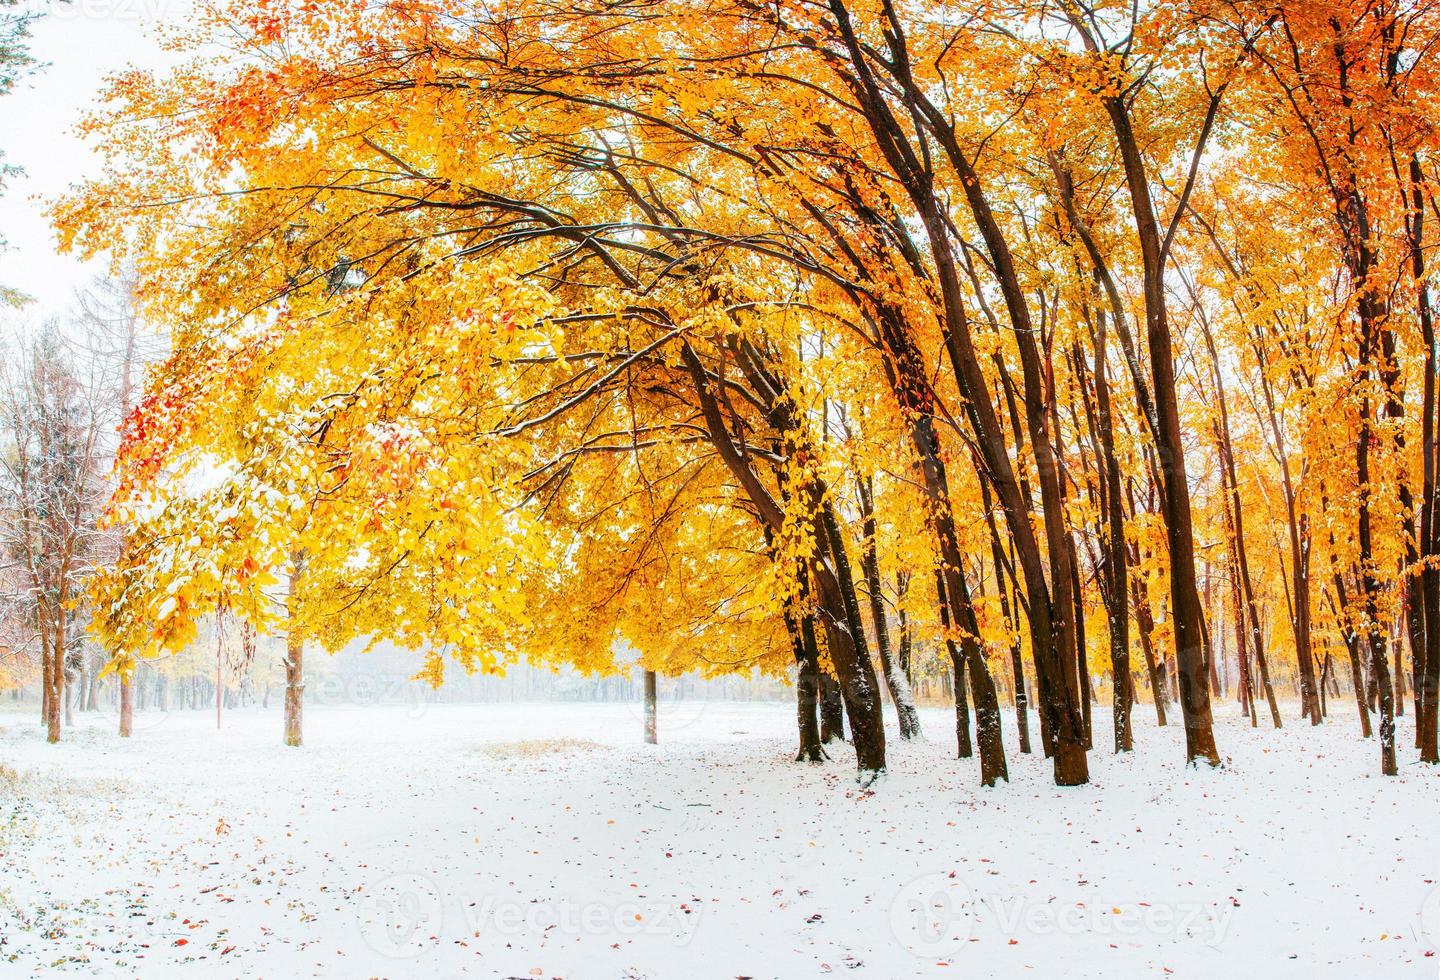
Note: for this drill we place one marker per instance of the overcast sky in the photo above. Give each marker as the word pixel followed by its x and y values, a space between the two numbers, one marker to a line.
pixel 81 42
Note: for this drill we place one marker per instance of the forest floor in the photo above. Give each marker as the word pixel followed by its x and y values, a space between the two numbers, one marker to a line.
pixel 542 840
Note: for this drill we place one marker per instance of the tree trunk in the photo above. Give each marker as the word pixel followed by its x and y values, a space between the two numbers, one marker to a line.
pixel 92 692
pixel 127 701
pixel 964 748
pixel 1242 649
pixel 1116 572
pixel 1082 655
pixel 956 595
pixel 1357 677
pixel 1240 561
pixel 1379 662
pixel 1400 672
pixel 294 659
pixel 1324 678
pixel 1010 610
pixel 1153 667
pixel 1425 657
pixel 651 711
pixel 807 686
pixel 294 688
pixel 846 635
pixel 46 684
pixel 57 676
pixel 832 709
pixel 1170 447
pixel 906 639
pixel 832 583
pixel 895 679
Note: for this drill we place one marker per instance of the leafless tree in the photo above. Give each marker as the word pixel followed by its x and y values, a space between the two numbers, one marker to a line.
pixel 54 418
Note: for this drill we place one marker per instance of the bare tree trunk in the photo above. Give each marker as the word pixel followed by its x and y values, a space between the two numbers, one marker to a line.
pixel 651 709
pixel 127 701
pixel 57 676
pixel 1425 604
pixel 46 684
pixel 907 646
pixel 72 692
pixel 92 693
pixel 1240 562
pixel 294 688
pixel 1022 703
pixel 294 659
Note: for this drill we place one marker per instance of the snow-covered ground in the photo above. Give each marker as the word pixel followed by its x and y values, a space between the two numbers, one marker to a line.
pixel 542 840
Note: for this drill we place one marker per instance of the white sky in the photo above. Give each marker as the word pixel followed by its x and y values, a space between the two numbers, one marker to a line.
pixel 82 42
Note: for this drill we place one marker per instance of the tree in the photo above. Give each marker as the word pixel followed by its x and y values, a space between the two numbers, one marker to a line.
pixel 49 498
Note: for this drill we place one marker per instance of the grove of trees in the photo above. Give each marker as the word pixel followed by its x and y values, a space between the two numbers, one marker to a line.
pixel 1079 351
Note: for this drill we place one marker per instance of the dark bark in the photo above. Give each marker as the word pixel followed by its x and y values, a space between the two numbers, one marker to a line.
pixel 1010 609
pixel 1156 670
pixel 1357 671
pixel 1242 652
pixel 1370 587
pixel 964 748
pixel 1426 657
pixel 1050 605
pixel 1170 447
pixel 1116 570
pixel 801 628
pixel 1235 525
pixel 895 679
pixel 846 632
pixel 845 640
pixel 832 709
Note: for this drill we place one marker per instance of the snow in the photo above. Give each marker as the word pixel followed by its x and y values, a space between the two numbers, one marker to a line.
pixel 544 840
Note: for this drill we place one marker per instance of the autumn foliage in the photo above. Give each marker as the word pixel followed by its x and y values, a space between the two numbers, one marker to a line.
pixel 1079 351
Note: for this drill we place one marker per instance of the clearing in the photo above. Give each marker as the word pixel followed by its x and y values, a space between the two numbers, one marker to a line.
pixel 542 840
